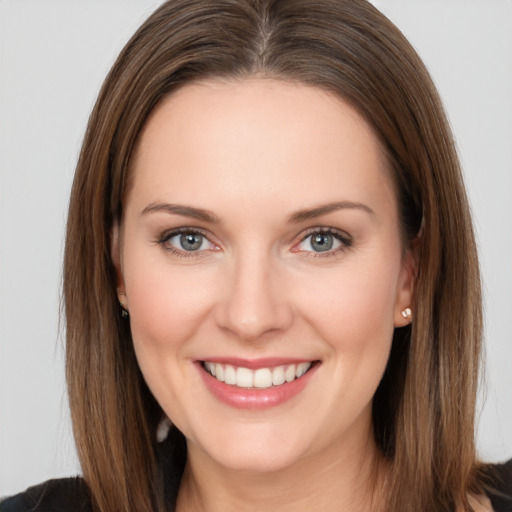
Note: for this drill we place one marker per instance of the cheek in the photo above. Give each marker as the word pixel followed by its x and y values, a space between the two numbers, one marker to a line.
pixel 355 305
pixel 353 312
pixel 167 302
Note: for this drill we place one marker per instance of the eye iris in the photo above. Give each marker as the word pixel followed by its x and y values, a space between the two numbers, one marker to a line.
pixel 191 241
pixel 322 242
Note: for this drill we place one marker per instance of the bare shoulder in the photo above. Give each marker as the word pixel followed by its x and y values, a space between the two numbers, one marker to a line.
pixel 480 503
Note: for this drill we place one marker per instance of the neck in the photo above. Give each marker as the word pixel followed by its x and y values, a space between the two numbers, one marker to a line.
pixel 340 478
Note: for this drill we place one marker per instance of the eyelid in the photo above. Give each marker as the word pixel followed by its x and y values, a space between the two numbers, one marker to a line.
pixel 342 236
pixel 165 236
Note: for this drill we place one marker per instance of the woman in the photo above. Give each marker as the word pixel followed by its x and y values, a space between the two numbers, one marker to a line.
pixel 269 244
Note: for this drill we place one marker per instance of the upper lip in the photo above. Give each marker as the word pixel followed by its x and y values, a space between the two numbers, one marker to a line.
pixel 254 364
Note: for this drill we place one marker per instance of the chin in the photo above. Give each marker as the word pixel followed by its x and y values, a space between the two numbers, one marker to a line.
pixel 254 450
pixel 257 461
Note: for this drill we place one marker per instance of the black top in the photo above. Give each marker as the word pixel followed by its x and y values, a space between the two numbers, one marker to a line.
pixel 72 495
pixel 499 486
pixel 63 495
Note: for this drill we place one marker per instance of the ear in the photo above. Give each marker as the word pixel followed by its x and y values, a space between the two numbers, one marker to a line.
pixel 115 252
pixel 403 312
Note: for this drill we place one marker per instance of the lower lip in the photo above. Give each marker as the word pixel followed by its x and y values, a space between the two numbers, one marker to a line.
pixel 250 398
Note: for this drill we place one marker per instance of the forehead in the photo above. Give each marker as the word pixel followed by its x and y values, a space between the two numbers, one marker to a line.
pixel 255 139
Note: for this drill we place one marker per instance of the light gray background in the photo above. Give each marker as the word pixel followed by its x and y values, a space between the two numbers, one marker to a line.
pixel 53 57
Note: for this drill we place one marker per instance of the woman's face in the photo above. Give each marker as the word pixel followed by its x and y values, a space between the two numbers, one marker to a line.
pixel 260 240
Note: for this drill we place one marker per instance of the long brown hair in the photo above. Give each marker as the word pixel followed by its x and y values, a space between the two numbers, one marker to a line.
pixel 424 407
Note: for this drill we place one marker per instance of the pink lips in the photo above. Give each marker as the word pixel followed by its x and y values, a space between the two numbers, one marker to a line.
pixel 250 398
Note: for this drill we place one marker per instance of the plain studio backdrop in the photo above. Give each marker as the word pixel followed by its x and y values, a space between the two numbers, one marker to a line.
pixel 54 55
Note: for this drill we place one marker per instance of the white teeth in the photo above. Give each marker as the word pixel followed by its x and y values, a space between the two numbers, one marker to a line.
pixel 244 378
pixel 302 368
pixel 289 373
pixel 230 375
pixel 278 376
pixel 261 378
pixel 219 372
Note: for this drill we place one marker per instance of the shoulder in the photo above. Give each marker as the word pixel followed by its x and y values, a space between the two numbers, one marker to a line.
pixel 62 495
pixel 498 486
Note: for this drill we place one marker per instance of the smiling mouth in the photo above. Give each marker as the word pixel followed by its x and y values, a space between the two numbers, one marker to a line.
pixel 261 378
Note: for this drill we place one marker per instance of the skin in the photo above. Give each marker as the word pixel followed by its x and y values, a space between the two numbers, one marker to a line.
pixel 254 153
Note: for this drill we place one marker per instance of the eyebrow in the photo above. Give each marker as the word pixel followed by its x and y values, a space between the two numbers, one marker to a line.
pixel 295 218
pixel 184 211
pixel 311 213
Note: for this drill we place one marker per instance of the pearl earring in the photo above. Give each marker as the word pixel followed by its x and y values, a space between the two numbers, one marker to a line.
pixel 124 311
pixel 162 430
pixel 406 313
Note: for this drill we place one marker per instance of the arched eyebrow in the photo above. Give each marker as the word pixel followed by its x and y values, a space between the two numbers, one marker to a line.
pixel 184 211
pixel 317 211
pixel 295 218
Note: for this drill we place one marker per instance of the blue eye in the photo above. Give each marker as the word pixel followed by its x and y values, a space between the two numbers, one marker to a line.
pixel 321 241
pixel 186 241
pixel 190 241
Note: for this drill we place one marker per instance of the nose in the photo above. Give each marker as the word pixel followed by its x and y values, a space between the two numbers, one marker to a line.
pixel 254 301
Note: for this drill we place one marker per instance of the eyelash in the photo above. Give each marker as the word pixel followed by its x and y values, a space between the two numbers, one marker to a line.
pixel 342 237
pixel 166 236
